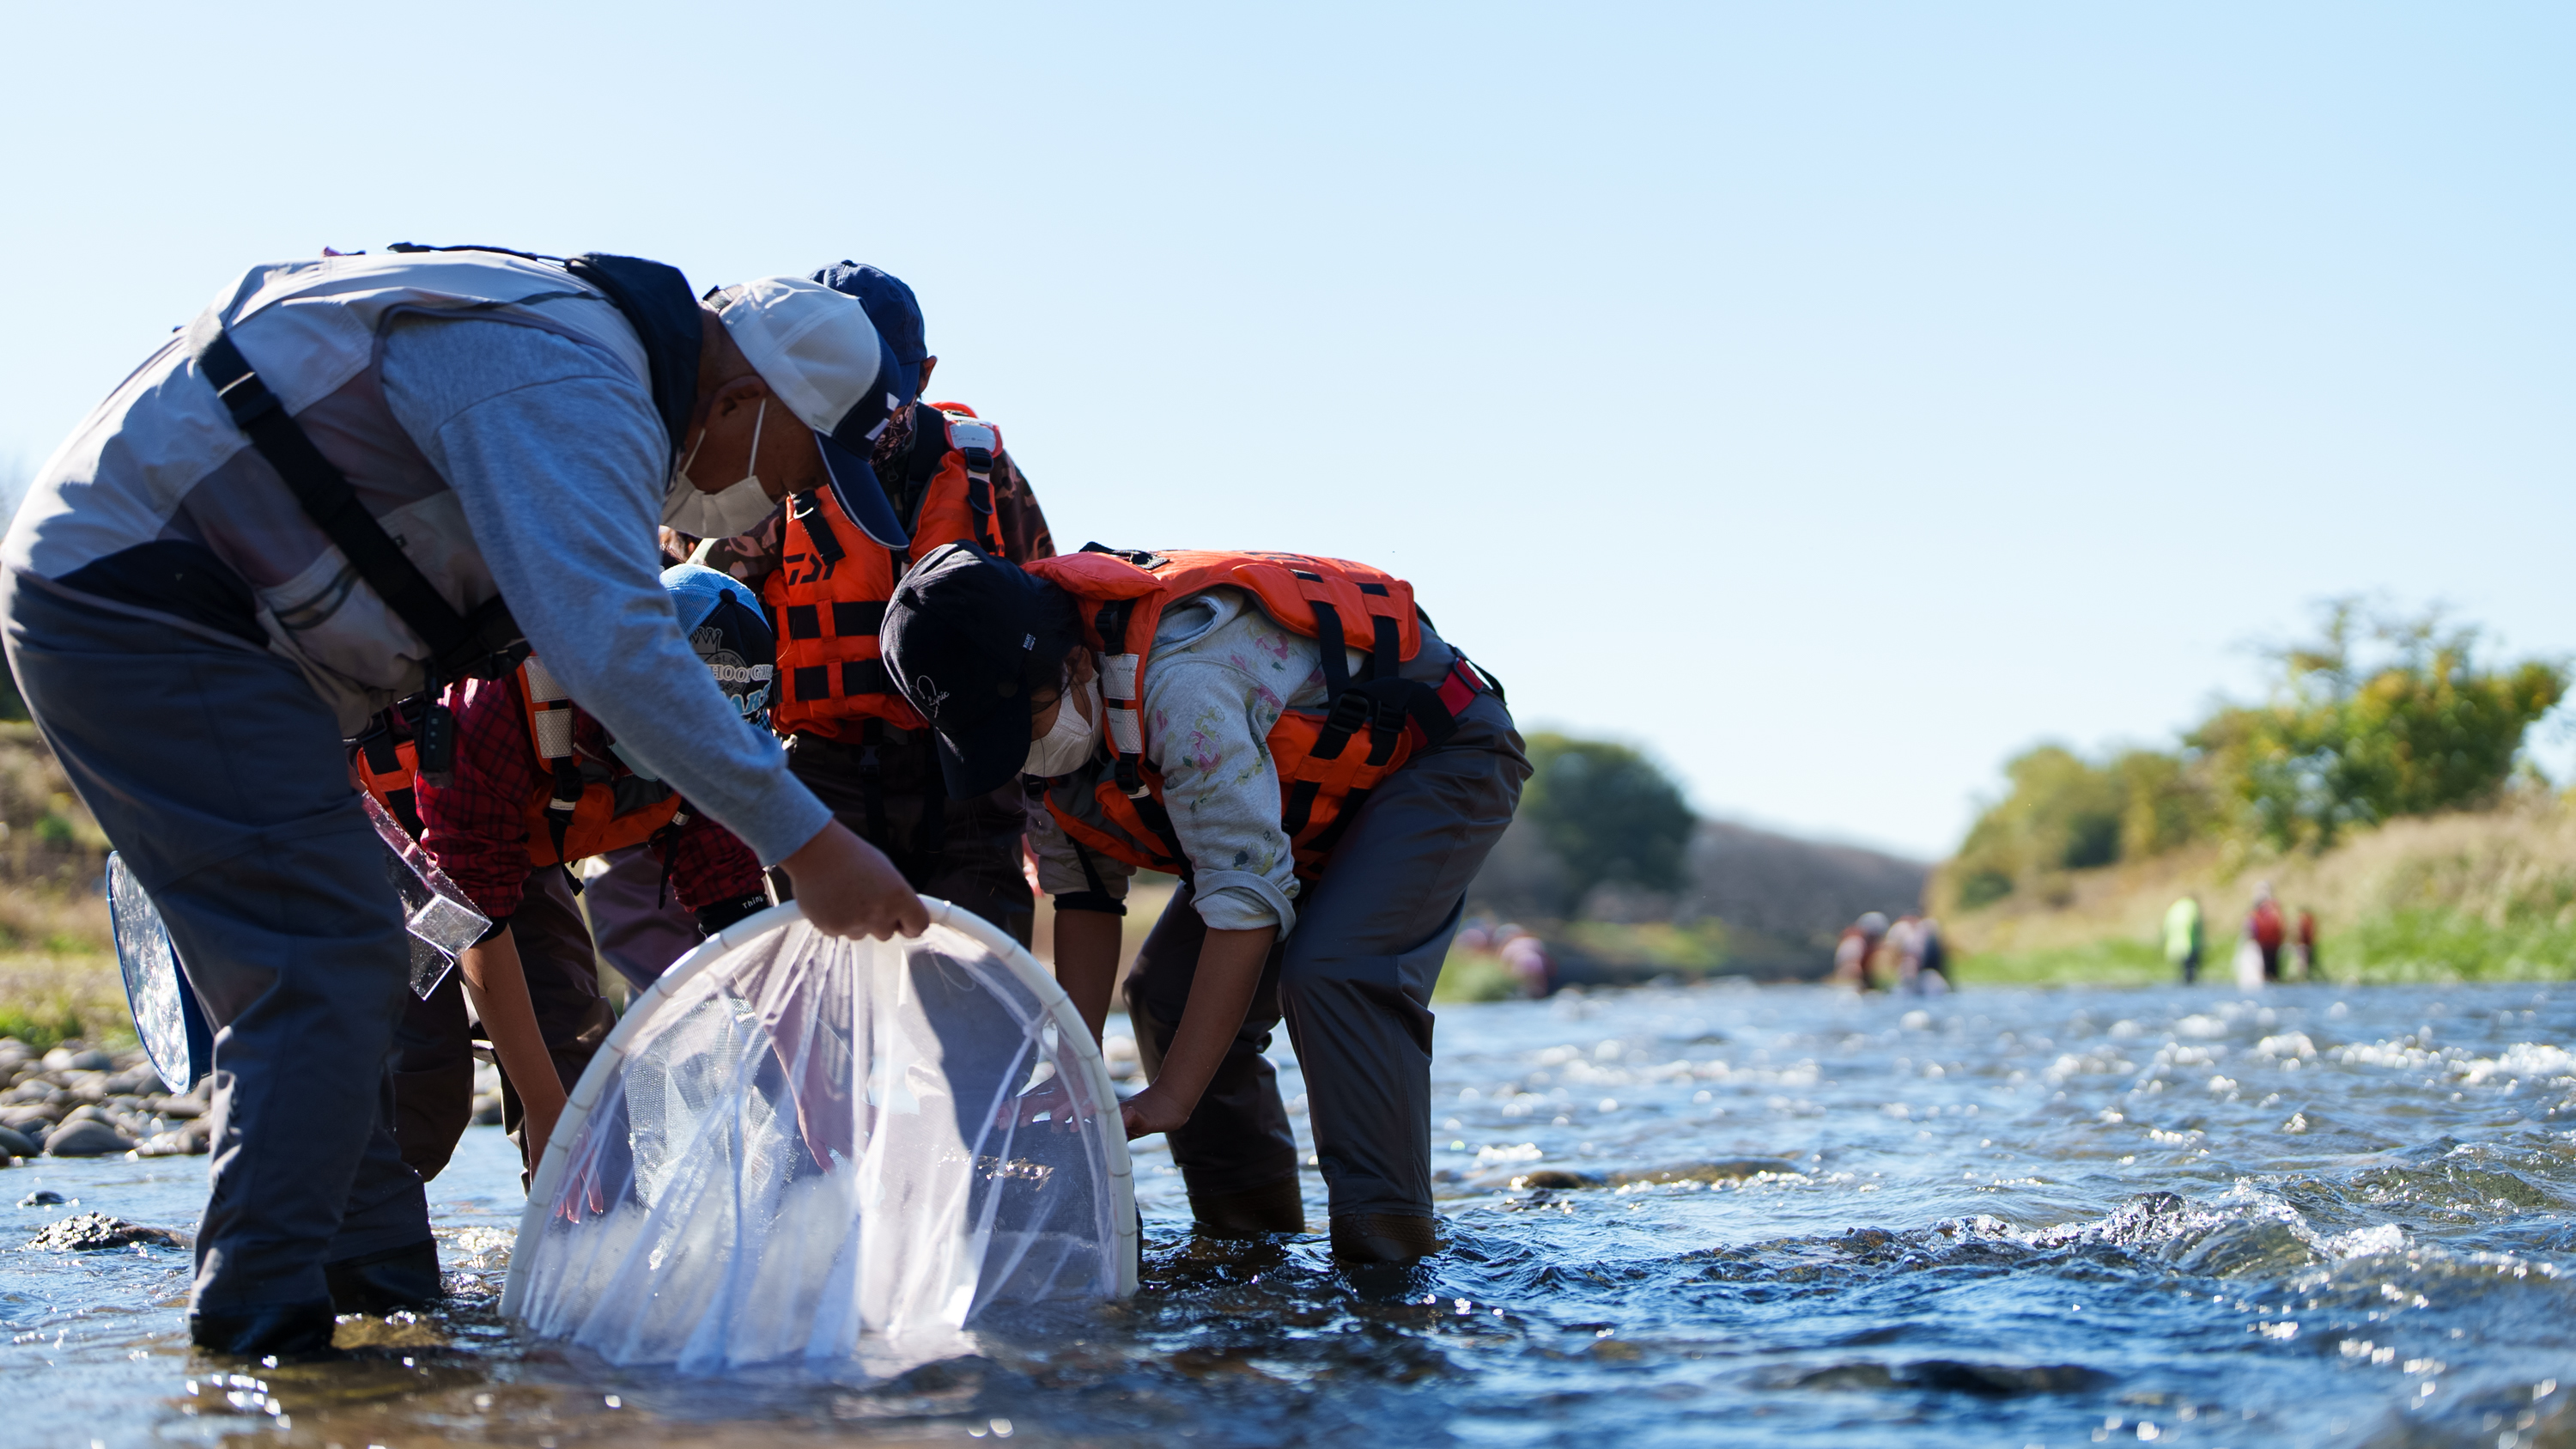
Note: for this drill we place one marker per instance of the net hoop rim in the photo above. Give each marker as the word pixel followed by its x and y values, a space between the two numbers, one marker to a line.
pixel 612 1052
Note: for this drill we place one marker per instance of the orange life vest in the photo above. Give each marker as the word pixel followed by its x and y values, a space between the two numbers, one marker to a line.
pixel 1322 779
pixel 387 768
pixel 828 595
pixel 582 808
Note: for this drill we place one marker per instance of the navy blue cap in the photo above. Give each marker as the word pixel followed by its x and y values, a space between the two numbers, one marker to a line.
pixel 848 448
pixel 959 639
pixel 891 306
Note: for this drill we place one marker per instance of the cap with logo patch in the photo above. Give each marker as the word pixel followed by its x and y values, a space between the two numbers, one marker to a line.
pixel 826 363
pixel 961 637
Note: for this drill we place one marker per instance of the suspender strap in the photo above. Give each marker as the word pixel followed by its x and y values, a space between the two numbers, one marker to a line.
pixel 460 646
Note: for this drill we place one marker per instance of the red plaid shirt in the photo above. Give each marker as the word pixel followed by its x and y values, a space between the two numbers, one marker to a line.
pixel 477 828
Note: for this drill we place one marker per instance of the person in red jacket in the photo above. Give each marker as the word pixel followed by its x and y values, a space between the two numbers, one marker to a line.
pixel 540 785
pixel 2265 927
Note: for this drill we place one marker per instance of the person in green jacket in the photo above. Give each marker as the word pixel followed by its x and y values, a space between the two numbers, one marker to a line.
pixel 2182 937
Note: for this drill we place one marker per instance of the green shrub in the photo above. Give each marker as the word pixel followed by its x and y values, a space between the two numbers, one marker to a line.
pixel 1475 976
pixel 40 1029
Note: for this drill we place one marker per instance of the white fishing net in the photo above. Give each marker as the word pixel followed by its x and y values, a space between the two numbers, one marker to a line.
pixel 795 1147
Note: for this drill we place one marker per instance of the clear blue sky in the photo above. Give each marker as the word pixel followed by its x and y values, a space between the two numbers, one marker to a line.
pixel 1832 399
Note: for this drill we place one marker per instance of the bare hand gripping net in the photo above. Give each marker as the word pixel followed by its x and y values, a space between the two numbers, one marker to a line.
pixel 795 1147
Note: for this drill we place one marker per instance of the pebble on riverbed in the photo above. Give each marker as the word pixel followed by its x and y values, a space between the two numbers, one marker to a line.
pixel 79 1100
pixel 96 1232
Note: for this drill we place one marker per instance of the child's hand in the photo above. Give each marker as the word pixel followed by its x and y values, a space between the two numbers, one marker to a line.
pixel 1151 1111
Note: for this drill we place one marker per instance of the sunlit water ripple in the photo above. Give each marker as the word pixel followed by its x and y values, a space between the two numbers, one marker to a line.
pixel 1768 1215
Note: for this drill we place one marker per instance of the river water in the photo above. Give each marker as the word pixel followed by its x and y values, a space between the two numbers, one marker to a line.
pixel 1757 1215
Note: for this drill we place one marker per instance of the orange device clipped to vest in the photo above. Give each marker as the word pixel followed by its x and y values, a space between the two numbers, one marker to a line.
pixel 576 812
pixel 581 809
pixel 829 592
pixel 1322 779
pixel 388 768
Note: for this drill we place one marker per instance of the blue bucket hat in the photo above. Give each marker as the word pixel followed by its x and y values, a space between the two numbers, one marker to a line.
pixel 725 625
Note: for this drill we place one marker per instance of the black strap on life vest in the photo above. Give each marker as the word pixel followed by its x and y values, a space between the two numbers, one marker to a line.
pixel 807 509
pixel 979 498
pixel 1111 623
pixel 383 758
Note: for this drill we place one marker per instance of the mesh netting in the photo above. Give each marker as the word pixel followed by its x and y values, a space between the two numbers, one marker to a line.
pixel 799 1147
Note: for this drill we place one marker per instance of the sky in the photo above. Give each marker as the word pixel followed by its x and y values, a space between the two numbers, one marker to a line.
pixel 1831 400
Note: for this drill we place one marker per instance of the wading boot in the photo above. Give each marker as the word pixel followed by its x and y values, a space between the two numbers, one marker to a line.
pixel 1384 1237
pixel 291 1331
pixel 1277 1207
pixel 386 1282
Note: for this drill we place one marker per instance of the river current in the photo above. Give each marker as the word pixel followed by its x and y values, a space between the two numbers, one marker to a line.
pixel 1770 1215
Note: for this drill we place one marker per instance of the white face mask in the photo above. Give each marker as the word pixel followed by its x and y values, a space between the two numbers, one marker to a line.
pixel 1066 746
pixel 726 512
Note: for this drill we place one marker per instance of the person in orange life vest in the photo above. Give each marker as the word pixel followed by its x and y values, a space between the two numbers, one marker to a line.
pixel 850 737
pixel 1324 772
pixel 539 785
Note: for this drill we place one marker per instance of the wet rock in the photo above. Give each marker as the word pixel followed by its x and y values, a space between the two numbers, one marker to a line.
pixel 191 1105
pixel 43 1197
pixel 94 1232
pixel 17 1144
pixel 85 1138
pixel 35 1118
pixel 67 1058
pixel 1848 1378
pixel 2000 1381
pixel 1554 1177
pixel 395 1330
pixel 1724 1169
pixel 1986 1381
pixel 187 1140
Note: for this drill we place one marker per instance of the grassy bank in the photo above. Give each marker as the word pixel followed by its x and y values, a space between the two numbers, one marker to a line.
pixel 2485 896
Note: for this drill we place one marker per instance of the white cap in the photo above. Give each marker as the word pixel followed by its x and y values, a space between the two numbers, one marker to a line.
pixel 823 360
pixel 817 351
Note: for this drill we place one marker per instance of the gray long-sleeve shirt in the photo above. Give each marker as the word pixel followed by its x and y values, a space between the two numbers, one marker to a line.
pixel 559 460
pixel 1222 673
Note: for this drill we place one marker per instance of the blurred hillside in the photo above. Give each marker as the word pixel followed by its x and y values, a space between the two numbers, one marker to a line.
pixel 2473 895
pixel 1607 865
pixel 2380 784
pixel 57 966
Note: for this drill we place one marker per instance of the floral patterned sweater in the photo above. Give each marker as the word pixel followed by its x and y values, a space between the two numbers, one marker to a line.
pixel 1220 675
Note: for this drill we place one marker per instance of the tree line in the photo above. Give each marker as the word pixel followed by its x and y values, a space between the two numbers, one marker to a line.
pixel 2380 715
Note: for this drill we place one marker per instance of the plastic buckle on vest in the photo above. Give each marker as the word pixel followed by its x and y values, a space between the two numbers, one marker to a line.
pixel 1386 724
pixel 1350 712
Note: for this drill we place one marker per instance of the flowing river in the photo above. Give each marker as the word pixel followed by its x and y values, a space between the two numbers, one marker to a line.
pixel 1720 1213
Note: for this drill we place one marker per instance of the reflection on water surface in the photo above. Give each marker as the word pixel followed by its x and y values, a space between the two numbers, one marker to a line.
pixel 1777 1215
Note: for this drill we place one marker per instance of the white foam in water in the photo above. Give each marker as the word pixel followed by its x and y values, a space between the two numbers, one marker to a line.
pixel 795 1147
